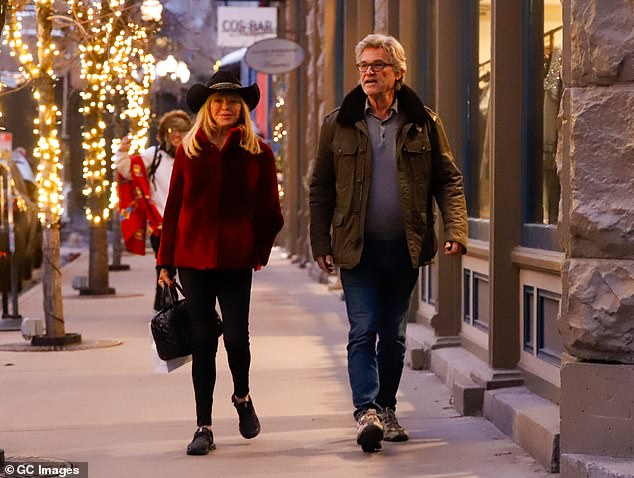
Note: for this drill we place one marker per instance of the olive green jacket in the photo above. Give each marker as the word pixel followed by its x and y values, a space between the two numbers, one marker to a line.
pixel 341 178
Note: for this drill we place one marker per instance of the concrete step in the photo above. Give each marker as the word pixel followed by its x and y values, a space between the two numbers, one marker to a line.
pixel 590 466
pixel 531 421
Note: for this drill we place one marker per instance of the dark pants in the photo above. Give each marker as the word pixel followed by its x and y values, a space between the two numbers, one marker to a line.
pixel 233 290
pixel 155 242
pixel 377 293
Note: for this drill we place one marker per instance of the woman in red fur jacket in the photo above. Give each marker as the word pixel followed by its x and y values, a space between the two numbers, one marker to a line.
pixel 221 218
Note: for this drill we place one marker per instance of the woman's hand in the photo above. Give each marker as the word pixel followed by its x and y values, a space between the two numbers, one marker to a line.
pixel 124 147
pixel 165 278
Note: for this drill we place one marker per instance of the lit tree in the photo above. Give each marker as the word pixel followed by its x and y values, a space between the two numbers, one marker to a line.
pixel 116 71
pixel 131 76
pixel 39 70
pixel 95 19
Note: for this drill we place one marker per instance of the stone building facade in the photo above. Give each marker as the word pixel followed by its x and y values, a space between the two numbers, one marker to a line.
pixel 597 233
pixel 534 327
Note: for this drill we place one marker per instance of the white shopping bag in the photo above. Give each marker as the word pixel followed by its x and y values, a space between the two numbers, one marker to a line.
pixel 166 366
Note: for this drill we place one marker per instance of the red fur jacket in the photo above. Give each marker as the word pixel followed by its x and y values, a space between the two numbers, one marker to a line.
pixel 223 209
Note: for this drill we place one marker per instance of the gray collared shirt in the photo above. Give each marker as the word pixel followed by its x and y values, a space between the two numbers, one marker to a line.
pixel 384 218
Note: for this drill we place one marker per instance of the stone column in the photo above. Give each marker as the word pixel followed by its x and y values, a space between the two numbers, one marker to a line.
pixel 293 117
pixel 386 17
pixel 447 321
pixel 597 232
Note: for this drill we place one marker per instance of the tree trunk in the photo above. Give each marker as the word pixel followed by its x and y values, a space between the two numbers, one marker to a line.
pixel 98 261
pixel 52 282
pixel 48 178
pixel 118 131
pixel 117 244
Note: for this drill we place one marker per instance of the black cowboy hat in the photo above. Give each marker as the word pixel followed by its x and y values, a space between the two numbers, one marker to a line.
pixel 222 81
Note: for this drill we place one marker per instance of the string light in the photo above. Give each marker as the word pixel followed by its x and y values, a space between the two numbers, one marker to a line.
pixel 114 63
pixel 279 130
pixel 97 19
pixel 280 133
pixel 47 153
pixel 117 70
pixel 132 77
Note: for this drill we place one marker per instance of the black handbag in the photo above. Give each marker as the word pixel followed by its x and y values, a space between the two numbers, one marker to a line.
pixel 170 326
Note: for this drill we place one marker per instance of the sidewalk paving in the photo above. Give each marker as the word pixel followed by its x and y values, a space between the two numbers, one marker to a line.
pixel 107 406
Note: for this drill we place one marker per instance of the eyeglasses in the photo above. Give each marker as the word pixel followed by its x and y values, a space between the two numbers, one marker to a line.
pixel 376 66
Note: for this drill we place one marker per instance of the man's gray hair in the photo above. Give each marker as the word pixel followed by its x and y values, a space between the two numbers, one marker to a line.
pixel 391 46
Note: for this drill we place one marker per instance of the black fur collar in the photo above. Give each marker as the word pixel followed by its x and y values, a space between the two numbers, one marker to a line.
pixel 353 107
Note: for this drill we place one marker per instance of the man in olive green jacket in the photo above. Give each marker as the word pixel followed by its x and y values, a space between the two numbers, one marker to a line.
pixel 383 157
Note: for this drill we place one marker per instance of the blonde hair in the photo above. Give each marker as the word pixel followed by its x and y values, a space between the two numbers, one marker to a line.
pixel 204 121
pixel 391 46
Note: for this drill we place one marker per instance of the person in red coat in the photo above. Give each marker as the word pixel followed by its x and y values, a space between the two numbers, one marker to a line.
pixel 221 218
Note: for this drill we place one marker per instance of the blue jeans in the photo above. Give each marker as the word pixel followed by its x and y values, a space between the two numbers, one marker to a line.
pixel 377 293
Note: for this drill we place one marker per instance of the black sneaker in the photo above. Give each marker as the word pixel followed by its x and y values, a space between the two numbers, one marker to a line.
pixel 369 431
pixel 203 442
pixel 249 423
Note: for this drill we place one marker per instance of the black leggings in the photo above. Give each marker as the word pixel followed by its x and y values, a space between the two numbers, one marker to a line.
pixel 233 290
pixel 155 241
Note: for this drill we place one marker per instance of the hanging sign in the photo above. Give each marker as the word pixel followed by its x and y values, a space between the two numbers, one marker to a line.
pixel 274 55
pixel 243 26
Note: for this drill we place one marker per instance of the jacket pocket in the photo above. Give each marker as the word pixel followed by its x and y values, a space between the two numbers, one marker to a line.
pixel 418 160
pixel 429 245
pixel 345 159
pixel 337 219
pixel 417 146
pixel 337 232
pixel 345 175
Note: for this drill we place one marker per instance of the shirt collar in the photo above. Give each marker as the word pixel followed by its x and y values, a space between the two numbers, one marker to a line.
pixel 393 108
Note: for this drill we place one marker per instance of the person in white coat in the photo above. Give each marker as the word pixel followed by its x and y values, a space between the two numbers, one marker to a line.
pixel 158 161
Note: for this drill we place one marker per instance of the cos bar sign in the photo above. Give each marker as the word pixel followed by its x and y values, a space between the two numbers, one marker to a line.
pixel 243 26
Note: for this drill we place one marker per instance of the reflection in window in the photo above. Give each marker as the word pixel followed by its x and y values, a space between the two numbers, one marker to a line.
pixel 543 90
pixel 481 195
pixel 549 207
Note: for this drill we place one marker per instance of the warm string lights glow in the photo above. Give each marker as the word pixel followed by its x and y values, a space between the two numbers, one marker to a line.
pixel 97 19
pixel 47 152
pixel 132 76
pixel 113 63
pixel 19 49
pixel 117 71
pixel 279 130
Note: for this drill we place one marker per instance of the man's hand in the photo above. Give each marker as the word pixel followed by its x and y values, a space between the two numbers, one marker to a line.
pixel 165 278
pixel 453 248
pixel 325 263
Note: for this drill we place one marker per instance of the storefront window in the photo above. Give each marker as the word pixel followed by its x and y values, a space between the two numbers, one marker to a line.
pixel 541 116
pixel 480 192
pixel 548 210
pixel 477 81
